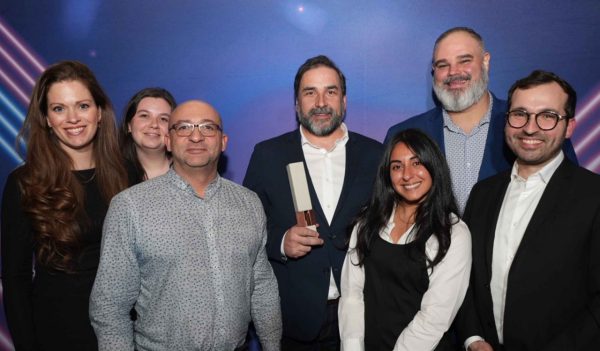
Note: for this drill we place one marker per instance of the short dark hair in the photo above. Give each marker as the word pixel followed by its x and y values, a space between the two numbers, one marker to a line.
pixel 540 77
pixel 468 30
pixel 315 62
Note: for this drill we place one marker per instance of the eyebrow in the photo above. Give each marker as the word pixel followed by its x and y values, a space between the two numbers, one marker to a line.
pixel 460 57
pixel 326 88
pixel 415 157
pixel 76 102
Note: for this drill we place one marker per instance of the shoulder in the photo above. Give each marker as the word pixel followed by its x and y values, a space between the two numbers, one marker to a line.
pixel 460 231
pixel 278 141
pixel 493 181
pixel 419 120
pixel 141 192
pixel 364 141
pixel 499 105
pixel 12 190
pixel 426 122
pixel 584 179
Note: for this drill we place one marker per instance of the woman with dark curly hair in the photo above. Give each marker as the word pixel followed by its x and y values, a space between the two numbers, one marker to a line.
pixel 142 134
pixel 409 259
pixel 53 208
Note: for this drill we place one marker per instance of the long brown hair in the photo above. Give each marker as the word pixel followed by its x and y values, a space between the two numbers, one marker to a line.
pixel 51 195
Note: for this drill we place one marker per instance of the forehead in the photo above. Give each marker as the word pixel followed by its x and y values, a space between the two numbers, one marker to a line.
pixel 153 103
pixel 321 75
pixel 195 113
pixel 401 151
pixel 544 96
pixel 455 44
pixel 66 88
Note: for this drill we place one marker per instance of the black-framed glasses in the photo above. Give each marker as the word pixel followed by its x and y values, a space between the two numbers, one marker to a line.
pixel 545 120
pixel 185 129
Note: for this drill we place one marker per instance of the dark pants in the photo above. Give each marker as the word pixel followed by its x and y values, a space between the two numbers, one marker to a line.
pixel 328 338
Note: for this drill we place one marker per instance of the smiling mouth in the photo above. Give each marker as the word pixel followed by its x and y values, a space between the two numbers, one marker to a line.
pixel 531 141
pixel 74 131
pixel 411 186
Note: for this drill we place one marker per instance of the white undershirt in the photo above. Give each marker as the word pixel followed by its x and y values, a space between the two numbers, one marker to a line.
pixel 447 288
pixel 326 169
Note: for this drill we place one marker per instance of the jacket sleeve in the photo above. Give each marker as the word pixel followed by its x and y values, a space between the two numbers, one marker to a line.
pixel 255 181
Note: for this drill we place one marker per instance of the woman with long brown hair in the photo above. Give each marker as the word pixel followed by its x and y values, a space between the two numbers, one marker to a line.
pixel 53 208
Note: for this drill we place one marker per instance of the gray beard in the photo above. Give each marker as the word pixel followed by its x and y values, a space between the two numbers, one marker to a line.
pixel 462 100
pixel 320 129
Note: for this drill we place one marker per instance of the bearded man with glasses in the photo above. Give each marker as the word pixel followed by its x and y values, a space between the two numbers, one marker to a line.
pixel 535 281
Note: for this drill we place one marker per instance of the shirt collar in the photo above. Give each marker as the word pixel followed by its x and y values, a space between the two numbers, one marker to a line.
pixel 341 141
pixel 545 173
pixel 183 185
pixel 448 123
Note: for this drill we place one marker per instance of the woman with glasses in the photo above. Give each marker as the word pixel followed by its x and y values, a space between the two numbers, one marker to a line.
pixel 407 268
pixel 53 208
pixel 142 134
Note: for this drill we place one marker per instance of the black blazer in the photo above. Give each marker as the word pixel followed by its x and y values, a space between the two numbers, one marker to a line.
pixel 553 293
pixel 304 282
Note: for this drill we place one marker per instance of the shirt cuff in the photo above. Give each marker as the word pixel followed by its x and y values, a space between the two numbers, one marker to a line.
pixel 281 250
pixel 355 344
pixel 471 340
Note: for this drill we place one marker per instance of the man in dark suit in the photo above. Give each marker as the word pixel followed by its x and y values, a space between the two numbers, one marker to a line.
pixel 340 168
pixel 468 123
pixel 535 281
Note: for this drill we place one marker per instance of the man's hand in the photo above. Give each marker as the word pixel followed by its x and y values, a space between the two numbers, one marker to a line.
pixel 480 345
pixel 299 241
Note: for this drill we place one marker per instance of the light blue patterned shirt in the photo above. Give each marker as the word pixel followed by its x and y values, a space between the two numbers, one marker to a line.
pixel 464 153
pixel 195 269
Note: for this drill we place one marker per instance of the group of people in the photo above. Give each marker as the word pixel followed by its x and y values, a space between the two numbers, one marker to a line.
pixel 471 226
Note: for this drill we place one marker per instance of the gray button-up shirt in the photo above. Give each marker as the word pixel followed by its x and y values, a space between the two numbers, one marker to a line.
pixel 464 153
pixel 195 269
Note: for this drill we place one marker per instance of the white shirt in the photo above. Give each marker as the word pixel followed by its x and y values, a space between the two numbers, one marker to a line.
pixel 447 288
pixel 326 169
pixel 520 201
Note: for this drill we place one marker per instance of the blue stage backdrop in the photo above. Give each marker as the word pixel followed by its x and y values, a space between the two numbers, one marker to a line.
pixel 241 56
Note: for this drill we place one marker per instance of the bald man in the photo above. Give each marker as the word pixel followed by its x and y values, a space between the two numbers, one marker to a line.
pixel 187 249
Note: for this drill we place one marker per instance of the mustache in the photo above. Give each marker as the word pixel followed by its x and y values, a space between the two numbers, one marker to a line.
pixel 320 110
pixel 451 79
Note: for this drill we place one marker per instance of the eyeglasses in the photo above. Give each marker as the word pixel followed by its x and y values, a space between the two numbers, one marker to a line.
pixel 545 120
pixel 185 129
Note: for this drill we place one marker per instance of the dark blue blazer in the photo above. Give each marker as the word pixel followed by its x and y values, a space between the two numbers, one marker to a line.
pixel 304 282
pixel 497 157
pixel 553 289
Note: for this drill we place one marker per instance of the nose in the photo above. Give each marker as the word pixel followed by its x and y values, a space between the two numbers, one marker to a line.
pixel 196 135
pixel 154 122
pixel 407 173
pixel 320 100
pixel 531 126
pixel 72 116
pixel 453 69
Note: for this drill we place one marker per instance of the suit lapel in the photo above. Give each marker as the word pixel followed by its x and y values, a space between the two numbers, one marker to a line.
pixel 350 172
pixel 496 199
pixel 549 204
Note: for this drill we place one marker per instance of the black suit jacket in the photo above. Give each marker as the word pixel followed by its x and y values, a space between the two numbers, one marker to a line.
pixel 553 292
pixel 304 282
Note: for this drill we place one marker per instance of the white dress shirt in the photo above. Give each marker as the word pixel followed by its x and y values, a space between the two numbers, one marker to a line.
pixel 326 169
pixel 520 201
pixel 448 284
